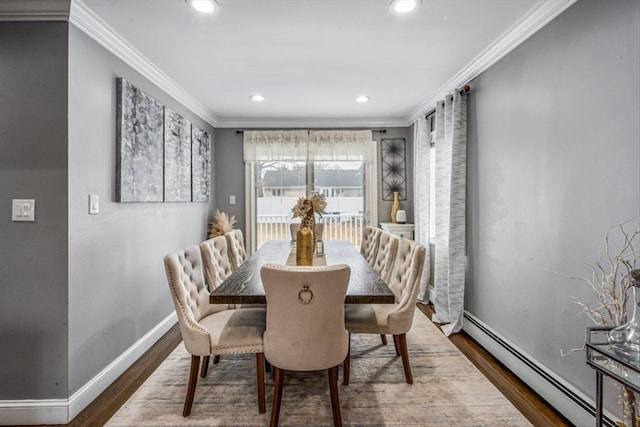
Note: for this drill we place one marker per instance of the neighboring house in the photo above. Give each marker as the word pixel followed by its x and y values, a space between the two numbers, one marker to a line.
pixel 331 183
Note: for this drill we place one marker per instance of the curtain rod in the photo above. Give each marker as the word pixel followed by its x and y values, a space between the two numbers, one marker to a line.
pixel 463 89
pixel 372 130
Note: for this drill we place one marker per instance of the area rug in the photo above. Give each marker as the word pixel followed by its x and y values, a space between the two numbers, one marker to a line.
pixel 447 390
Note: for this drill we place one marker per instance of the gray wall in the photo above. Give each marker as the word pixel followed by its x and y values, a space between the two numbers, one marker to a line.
pixel 554 149
pixel 117 286
pixel 33 165
pixel 230 179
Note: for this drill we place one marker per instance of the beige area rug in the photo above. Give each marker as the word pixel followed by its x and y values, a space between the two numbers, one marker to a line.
pixel 447 391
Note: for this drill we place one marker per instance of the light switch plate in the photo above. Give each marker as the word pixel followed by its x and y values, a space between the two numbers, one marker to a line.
pixel 232 199
pixel 23 210
pixel 94 204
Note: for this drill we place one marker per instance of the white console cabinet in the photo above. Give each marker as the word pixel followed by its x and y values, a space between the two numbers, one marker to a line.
pixel 404 231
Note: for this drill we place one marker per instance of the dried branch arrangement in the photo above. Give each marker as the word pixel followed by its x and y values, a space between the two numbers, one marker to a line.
pixel 221 224
pixel 610 279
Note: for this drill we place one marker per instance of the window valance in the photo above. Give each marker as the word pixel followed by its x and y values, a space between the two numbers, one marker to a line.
pixel 304 145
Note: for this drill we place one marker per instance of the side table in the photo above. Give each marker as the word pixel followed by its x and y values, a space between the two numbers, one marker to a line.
pixel 404 231
pixel 602 357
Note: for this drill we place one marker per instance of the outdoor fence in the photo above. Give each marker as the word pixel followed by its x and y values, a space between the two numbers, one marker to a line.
pixel 336 227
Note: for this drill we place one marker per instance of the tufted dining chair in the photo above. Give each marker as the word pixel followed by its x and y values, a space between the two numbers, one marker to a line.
pixel 386 255
pixel 217 268
pixel 205 329
pixel 395 319
pixel 236 247
pixel 369 243
pixel 217 265
pixel 305 324
pixel 295 226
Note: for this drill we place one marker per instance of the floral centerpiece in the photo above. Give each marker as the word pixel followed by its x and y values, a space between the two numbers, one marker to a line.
pixel 306 208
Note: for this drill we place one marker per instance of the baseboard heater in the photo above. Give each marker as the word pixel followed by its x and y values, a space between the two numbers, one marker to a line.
pixel 565 398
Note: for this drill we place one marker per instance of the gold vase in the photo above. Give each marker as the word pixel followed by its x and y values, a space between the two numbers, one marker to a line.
pixel 304 246
pixel 395 207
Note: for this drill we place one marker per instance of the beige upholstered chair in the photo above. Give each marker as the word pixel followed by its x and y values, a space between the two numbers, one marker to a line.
pixel 395 319
pixel 295 226
pixel 217 265
pixel 386 255
pixel 305 324
pixel 237 250
pixel 207 330
pixel 369 243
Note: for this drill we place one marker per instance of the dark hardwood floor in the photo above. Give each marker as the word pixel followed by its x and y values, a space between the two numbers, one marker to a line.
pixel 535 409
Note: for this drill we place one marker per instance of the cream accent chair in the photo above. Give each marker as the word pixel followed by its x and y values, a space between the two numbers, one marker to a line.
pixel 305 324
pixel 217 266
pixel 237 249
pixel 295 226
pixel 397 318
pixel 386 255
pixel 205 329
pixel 369 243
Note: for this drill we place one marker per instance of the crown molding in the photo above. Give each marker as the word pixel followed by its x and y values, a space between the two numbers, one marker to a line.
pixel 89 23
pixel 262 123
pixel 34 10
pixel 539 16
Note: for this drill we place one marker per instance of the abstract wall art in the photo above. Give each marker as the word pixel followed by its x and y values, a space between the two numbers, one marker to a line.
pixel 139 148
pixel 394 167
pixel 177 157
pixel 200 165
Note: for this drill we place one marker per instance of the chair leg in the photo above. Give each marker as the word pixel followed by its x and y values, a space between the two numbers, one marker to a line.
pixel 277 395
pixel 260 370
pixel 402 343
pixel 397 346
pixel 216 359
pixel 205 367
pixel 335 401
pixel 267 365
pixel 191 388
pixel 383 338
pixel 347 364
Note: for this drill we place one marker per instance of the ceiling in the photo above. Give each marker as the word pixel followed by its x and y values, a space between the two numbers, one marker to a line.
pixel 311 58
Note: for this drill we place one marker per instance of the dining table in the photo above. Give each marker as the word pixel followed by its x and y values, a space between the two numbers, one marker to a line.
pixel 244 285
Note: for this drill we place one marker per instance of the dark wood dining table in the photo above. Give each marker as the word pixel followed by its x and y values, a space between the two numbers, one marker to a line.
pixel 244 285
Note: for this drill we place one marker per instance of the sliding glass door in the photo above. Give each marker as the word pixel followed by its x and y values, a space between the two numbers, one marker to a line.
pixel 277 185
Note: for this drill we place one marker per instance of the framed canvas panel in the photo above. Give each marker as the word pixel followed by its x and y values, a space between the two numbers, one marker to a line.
pixel 200 165
pixel 177 157
pixel 394 168
pixel 138 145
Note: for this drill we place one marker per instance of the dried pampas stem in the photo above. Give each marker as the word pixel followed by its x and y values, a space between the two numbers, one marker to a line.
pixel 221 224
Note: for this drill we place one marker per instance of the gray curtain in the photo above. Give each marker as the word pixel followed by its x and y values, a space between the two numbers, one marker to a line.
pixel 421 190
pixel 451 167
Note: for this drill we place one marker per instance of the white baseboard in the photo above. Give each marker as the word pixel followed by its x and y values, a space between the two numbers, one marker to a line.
pixel 565 398
pixel 62 411
pixel 42 411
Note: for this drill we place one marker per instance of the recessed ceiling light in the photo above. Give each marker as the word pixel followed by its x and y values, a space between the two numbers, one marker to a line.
pixel 363 98
pixel 257 98
pixel 400 7
pixel 204 6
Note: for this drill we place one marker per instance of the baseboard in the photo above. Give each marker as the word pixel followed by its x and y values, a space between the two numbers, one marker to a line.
pixel 62 411
pixel 27 412
pixel 565 398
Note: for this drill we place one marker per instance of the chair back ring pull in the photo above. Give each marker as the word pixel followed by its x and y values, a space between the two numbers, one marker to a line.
pixel 305 295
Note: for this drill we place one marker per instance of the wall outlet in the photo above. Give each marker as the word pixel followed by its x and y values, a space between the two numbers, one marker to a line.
pixel 94 204
pixel 23 210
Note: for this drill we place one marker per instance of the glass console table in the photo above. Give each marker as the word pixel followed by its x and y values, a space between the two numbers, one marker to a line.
pixel 601 357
